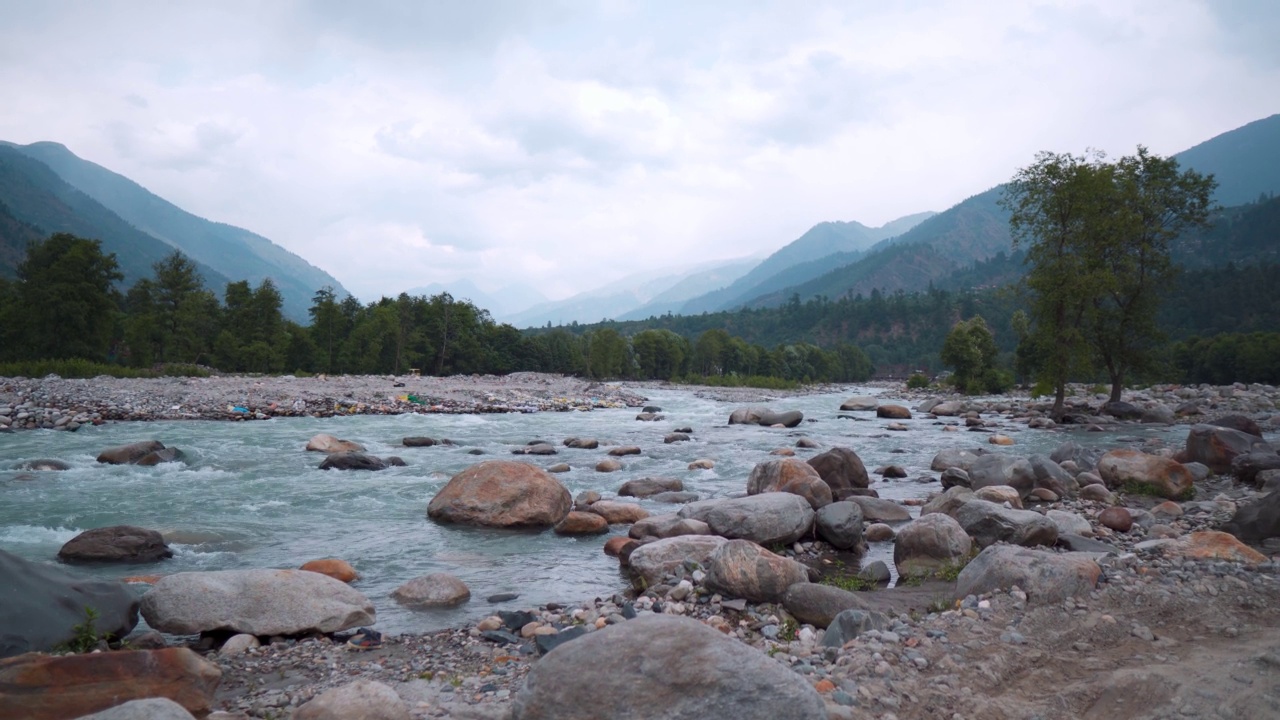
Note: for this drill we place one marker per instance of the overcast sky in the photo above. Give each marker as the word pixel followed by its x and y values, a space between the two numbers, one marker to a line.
pixel 565 144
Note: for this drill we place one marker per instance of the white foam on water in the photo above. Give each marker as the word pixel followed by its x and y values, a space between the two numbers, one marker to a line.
pixel 36 535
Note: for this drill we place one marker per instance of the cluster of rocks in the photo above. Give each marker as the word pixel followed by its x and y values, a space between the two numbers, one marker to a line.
pixel 66 404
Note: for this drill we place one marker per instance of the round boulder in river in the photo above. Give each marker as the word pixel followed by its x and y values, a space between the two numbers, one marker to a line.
pixel 501 493
pixel 663 666
pixel 117 543
pixel 434 590
pixel 789 476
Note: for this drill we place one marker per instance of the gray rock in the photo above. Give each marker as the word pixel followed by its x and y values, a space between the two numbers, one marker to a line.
pixel 582 443
pixel 740 568
pixel 163 455
pixel 786 418
pixel 840 524
pixel 849 624
pixel 1216 446
pixel 115 544
pixel 1256 521
pixel 128 454
pixel 989 523
pixel 418 441
pixel 956 458
pixel 1122 410
pixel 352 461
pixel 1159 414
pixel 663 666
pixel 1084 458
pixel 675 497
pixel 947 502
pixel 148 709
pixel 1050 476
pixel 652 562
pixel 928 543
pixel 1046 577
pixel 878 510
pixel 239 644
pixel 1080 543
pixel 817 604
pixel 747 415
pixel 645 487
pixel 667 526
pixel 997 469
pixel 257 602
pixel 43 465
pixel 1069 523
pixel 860 403
pixel 947 409
pixel 360 700
pixel 842 470
pixel 765 519
pixel 42 604
pixel 434 590
pixel 955 477
pixel 790 475
pixel 1246 467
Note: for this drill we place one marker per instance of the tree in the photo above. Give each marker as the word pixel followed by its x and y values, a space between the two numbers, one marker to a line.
pixel 971 351
pixel 1057 206
pixel 65 289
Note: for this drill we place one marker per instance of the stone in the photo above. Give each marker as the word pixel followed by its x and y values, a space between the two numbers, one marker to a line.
pixel 115 544
pixel 892 471
pixel 585 498
pixel 675 437
pixel 614 545
pixel 644 487
pixel 1255 521
pixel 790 476
pixel 1116 518
pixel 842 470
pixel 786 418
pixel 1167 509
pixel 434 590
pixel 955 477
pixel 817 604
pixel 1097 493
pixel 1248 466
pixel 618 513
pixel 1159 414
pixel 786 452
pixel 559 468
pixel 129 454
pixel 1150 474
pixel 893 412
pixel 988 523
pixel 1215 545
pixel 949 408
pixel 55 687
pixel 1069 523
pixel 257 602
pixel 956 458
pixel 239 644
pixel 851 623
pixel 1043 495
pixel 44 465
pixel 666 526
pixel 359 700
pixel 654 561
pixel 860 403
pixel 501 493
pixel 1085 458
pixel 341 460
pixel 42 604
pixel 878 532
pixel 326 443
pixel 1238 422
pixel 805 443
pixel 1122 410
pixel 163 455
pixel 145 709
pixel 1080 543
pixel 608 465
pixel 1216 446
pixel 1046 577
pixel 663 666
pixel 674 498
pixel 947 502
pixel 840 524
pixel 545 643
pixel 747 415
pixel 1051 476
pixel 582 443
pixel 582 523
pixel 998 439
pixel 540 448
pixel 418 441
pixel 878 510
pixel 930 543
pixel 624 450
pixel 740 568
pixel 702 464
pixel 1000 494
pixel 998 469
pixel 337 569
pixel 765 519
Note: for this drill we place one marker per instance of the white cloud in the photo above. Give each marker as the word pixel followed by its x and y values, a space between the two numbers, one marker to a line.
pixel 566 146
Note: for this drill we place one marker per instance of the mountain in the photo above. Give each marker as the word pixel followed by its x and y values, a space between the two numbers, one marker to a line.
pixel 230 251
pixel 1245 161
pixel 501 304
pixel 653 292
pixel 37 201
pixel 820 243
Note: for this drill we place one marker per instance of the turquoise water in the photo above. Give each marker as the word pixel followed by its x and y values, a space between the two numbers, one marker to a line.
pixel 248 496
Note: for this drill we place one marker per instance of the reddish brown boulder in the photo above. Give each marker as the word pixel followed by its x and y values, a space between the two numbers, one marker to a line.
pixel 1116 518
pixel 326 443
pixel 115 544
pixel 618 513
pixel 1216 446
pixel 501 493
pixel 1215 545
pixel 333 567
pixel 1148 474
pixel 613 546
pixel 893 412
pixel 842 470
pixel 790 476
pixel 128 454
pixel 582 523
pixel 58 687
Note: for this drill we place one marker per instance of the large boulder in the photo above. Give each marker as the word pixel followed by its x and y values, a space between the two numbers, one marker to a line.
pixel 667 526
pixel 740 568
pixel 654 561
pixel 145 709
pixel 765 519
pixel 962 458
pixel 930 543
pixel 1050 476
pixel 747 415
pixel 434 590
pixel 618 513
pixel 335 568
pixel 326 443
pixel 57 687
pixel 1258 520
pixel 1149 474
pixel 859 403
pixel 879 510
pixel 645 487
pixel 359 700
pixel 948 501
pixel 1246 467
pixel 257 602
pixel 817 604
pixel 582 523
pixel 1122 410
pixel 789 475
pixel 840 524
pixel 663 666
pixel 129 454
pixel 999 469
pixel 785 418
pixel 1085 458
pixel 115 544
pixel 842 470
pixel 1216 446
pixel 1046 577
pixel 163 455
pixel 851 623
pixel 41 605
pixel 1238 422
pixel 501 493
pixel 947 409
pixel 343 460
pixel 988 523
pixel 893 412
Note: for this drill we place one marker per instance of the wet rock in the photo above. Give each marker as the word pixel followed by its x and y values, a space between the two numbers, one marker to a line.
pixel 840 524
pixel 878 510
pixel 947 502
pixel 702 464
pixel 765 519
pixel 675 497
pixel 789 476
pixel 500 493
pixel 608 465
pixel 675 437
pixel 624 450
pixel 667 526
pixel 747 415
pixel 163 455
pixel 878 532
pixel 257 602
pixel 860 403
pixel 956 458
pixel 582 523
pixel 43 465
pixel 1046 577
pixel 786 418
pixel 326 443
pixel 928 543
pixel 618 513
pixel 842 470
pixel 115 544
pixel 342 460
pixel 129 454
pixel 645 487
pixel 654 561
pixel 893 412
pixel 740 568
pixel 434 590
pixel 559 468
pixel 663 666
pixel 1147 473
pixel 360 700
pixel 535 449
pixel 582 443
pixel 418 441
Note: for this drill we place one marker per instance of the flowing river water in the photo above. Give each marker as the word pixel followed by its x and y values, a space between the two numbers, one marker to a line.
pixel 248 496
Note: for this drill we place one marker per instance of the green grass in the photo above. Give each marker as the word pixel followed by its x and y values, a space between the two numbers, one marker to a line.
pixel 86 636
pixel 751 381
pixel 1134 487
pixel 852 583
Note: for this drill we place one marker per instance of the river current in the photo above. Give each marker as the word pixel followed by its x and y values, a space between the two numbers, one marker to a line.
pixel 248 496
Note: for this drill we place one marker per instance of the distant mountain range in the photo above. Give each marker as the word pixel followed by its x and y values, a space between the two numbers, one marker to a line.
pixel 45 188
pixel 501 304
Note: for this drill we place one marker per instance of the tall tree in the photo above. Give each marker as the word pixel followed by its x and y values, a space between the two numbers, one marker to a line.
pixel 971 351
pixel 65 288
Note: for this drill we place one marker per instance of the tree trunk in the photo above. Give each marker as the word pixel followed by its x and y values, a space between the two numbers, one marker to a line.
pixel 1059 403
pixel 1117 386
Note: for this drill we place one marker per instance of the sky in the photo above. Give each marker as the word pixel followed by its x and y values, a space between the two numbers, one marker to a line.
pixel 564 145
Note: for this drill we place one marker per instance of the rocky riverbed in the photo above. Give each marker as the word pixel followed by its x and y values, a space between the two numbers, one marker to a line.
pixel 1095 583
